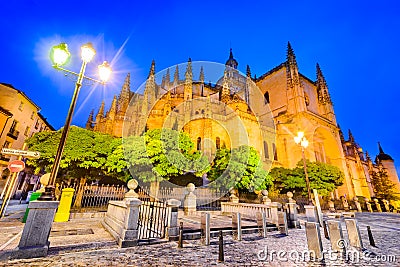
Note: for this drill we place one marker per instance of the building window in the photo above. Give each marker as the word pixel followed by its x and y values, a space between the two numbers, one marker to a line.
pixel 199 143
pixel 266 98
pixel 21 106
pixel 33 115
pixel 274 151
pixel 27 130
pixel 37 124
pixel 266 154
pixel 218 142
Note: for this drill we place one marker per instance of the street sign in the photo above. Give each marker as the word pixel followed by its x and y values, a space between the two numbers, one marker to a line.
pixel 16 166
pixel 24 153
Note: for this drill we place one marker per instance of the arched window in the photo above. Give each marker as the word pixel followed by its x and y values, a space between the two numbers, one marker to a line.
pixel 266 154
pixel 266 98
pixel 218 142
pixel 198 143
pixel 274 151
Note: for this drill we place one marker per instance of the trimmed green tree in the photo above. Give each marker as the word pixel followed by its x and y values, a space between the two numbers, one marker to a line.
pixel 240 168
pixel 323 177
pixel 85 153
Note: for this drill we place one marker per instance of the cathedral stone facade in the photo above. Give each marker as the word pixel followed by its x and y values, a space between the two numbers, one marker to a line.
pixel 291 102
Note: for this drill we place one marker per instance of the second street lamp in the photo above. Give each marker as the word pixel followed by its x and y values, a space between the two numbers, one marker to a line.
pixel 301 140
pixel 60 55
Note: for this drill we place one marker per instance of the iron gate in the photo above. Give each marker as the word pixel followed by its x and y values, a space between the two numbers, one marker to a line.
pixel 153 220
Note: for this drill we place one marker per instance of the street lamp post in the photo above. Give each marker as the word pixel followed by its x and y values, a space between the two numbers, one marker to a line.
pixel 301 140
pixel 60 56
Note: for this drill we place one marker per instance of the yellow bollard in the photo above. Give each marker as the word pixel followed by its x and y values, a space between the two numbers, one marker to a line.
pixel 62 214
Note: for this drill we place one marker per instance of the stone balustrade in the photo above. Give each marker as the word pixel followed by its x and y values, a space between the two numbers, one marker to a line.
pixel 250 210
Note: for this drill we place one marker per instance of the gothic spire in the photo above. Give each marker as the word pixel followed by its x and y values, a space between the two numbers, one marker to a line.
pixel 189 73
pixel 124 95
pixel 100 114
pixel 176 76
pixel 89 122
pixel 290 56
pixel 167 78
pixel 351 137
pixel 322 87
pixel 380 148
pixel 248 71
pixel 150 87
pixel 188 90
pixel 225 93
pixel 201 76
pixel 113 109
pixel 152 68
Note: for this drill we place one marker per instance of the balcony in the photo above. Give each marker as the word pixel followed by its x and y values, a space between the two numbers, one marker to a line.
pixel 13 134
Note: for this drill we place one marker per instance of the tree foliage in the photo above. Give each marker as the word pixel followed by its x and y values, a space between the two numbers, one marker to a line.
pixel 383 187
pixel 240 168
pixel 158 155
pixel 85 152
pixel 323 177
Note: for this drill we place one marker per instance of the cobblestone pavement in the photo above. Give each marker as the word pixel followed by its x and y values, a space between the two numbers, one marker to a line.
pixel 249 252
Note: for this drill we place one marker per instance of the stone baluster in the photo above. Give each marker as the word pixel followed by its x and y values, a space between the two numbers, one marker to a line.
pixel 368 204
pixel 386 204
pixel 358 205
pixel 378 206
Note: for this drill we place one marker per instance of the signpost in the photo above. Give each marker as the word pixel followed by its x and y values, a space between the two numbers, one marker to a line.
pixel 23 153
pixel 15 167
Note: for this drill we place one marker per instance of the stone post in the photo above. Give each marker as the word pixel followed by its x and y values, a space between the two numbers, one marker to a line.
pixel 331 205
pixel 236 226
pixel 34 239
pixel 265 199
pixel 386 203
pixel 369 207
pixel 292 212
pixel 233 197
pixel 336 235
pixel 358 205
pixel 63 211
pixel 314 241
pixel 173 228
pixel 129 235
pixel 378 206
pixel 311 213
pixel 189 202
pixel 353 233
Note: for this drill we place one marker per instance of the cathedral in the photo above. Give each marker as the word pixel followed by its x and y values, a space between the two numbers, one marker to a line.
pixel 265 112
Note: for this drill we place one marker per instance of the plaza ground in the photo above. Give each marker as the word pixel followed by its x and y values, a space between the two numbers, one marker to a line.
pixel 83 242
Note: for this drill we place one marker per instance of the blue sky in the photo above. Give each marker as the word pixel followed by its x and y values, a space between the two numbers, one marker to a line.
pixel 355 42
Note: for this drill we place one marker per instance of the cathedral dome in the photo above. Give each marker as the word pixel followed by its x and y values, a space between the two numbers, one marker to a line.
pixel 382 155
pixel 231 62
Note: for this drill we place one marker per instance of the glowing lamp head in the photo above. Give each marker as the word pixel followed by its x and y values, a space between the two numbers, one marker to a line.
pixel 304 143
pixel 104 71
pixel 87 52
pixel 59 54
pixel 297 139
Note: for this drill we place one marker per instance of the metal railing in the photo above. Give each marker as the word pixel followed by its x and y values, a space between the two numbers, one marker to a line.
pixel 153 220
pixel 92 197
